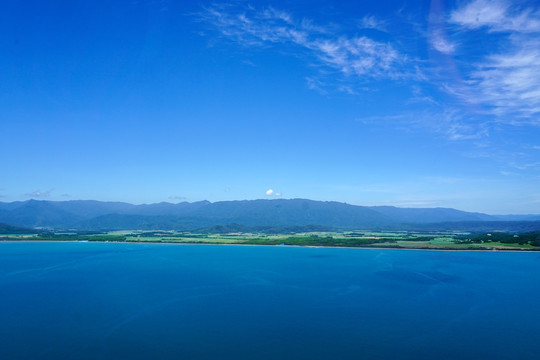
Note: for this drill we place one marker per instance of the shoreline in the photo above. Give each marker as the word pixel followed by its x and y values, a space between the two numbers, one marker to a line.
pixel 290 246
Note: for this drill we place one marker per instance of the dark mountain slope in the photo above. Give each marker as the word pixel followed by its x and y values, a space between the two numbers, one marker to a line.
pixel 35 213
pixel 9 229
pixel 97 215
pixel 428 215
pixel 283 212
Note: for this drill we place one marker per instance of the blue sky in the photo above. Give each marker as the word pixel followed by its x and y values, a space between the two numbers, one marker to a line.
pixel 414 104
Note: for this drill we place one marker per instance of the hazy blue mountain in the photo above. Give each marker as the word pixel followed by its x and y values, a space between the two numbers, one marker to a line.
pixel 165 208
pixel 98 215
pixel 429 215
pixel 92 208
pixel 283 212
pixel 34 213
pixel 296 212
pixel 469 226
pixel 8 206
pixel 77 213
pixel 146 222
pixel 529 217
pixel 3 213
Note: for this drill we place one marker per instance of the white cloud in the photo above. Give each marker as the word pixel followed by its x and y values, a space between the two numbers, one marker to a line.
pixel 446 122
pixel 502 84
pixel 510 82
pixel 526 166
pixel 370 22
pixel 358 56
pixel 497 16
pixel 316 84
pixel 453 124
pixel 39 194
pixel 506 80
pixel 271 192
pixel 440 43
pixel 479 13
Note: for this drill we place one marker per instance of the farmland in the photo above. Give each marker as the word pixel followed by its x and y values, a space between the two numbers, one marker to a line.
pixel 361 238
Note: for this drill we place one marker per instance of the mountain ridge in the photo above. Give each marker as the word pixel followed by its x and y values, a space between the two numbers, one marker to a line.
pixel 100 215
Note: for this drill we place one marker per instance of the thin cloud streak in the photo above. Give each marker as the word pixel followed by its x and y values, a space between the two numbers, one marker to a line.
pixel 39 194
pixel 440 43
pixel 510 82
pixel 358 56
pixel 448 123
pixel 496 16
pixel 499 88
pixel 506 83
pixel 176 197
pixel 370 22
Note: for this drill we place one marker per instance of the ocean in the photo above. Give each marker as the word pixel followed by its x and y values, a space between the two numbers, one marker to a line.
pixel 75 300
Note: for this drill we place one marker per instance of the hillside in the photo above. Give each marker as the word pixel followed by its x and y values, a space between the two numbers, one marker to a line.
pixel 9 229
pixel 97 215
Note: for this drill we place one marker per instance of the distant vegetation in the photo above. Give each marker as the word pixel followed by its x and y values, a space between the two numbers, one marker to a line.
pixel 396 239
pixel 237 228
pixel 530 238
pixel 294 222
pixel 9 229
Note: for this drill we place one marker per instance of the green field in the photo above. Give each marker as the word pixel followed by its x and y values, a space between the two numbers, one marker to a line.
pixel 360 238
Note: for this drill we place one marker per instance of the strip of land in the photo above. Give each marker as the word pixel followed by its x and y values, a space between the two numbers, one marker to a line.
pixel 529 241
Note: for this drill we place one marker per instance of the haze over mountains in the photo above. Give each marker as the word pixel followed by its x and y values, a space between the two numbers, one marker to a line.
pixel 185 216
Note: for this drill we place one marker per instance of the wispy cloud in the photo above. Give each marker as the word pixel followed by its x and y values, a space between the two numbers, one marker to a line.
pixel 414 203
pixel 505 81
pixel 420 97
pixel 510 82
pixel 251 26
pixel 499 84
pixel 526 166
pixel 452 124
pixel 358 56
pixel 39 194
pixel 497 16
pixel 176 197
pixel 316 84
pixel 440 42
pixel 437 30
pixel 371 22
pixel 446 123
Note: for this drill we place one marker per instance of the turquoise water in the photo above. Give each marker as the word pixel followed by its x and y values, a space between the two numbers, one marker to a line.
pixel 141 301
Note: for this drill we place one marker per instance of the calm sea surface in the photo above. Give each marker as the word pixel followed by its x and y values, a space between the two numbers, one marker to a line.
pixel 143 301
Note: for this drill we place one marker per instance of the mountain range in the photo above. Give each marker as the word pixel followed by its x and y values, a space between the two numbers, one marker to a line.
pixel 186 216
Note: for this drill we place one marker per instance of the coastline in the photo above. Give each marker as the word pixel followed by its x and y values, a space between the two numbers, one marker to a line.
pixel 270 245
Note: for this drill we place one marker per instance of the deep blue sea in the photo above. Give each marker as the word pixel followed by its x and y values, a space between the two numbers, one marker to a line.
pixel 153 301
